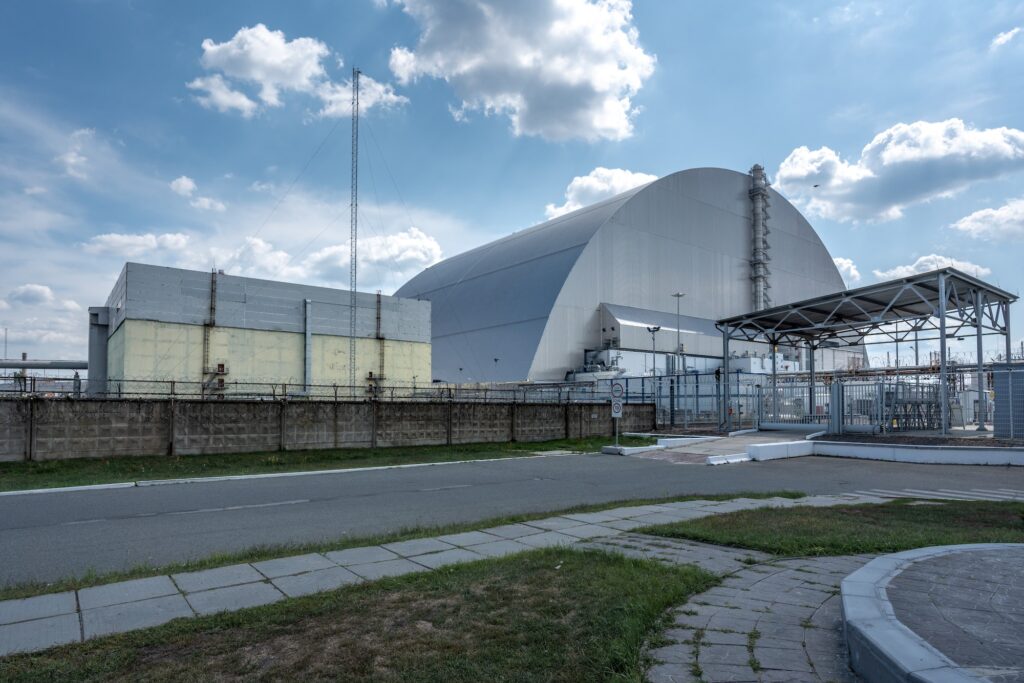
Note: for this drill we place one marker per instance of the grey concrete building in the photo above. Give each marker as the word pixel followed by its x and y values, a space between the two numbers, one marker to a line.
pixel 203 330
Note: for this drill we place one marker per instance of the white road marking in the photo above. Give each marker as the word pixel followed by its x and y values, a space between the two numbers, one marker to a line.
pixel 240 507
pixel 447 488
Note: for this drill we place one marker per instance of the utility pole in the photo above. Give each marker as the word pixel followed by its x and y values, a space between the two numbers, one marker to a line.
pixel 353 235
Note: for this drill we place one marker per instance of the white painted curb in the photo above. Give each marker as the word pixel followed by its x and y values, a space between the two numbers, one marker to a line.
pixel 727 459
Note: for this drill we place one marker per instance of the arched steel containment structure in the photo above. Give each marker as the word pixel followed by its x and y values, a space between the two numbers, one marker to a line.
pixel 527 306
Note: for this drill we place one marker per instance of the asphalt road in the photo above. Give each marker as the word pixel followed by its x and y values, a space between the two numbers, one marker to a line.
pixel 44 537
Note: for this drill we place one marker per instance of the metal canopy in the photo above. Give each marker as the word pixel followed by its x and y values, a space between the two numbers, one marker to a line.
pixel 945 298
pixel 939 304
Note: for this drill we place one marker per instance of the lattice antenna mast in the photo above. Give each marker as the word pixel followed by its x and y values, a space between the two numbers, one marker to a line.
pixel 353 235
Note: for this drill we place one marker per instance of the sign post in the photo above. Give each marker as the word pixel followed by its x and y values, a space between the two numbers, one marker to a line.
pixel 617 391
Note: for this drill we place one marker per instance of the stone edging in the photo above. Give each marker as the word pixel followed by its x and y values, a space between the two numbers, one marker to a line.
pixel 882 649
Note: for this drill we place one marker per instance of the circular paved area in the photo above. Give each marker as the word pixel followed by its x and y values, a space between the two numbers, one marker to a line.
pixel 970 607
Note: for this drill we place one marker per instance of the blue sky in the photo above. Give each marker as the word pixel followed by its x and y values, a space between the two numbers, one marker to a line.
pixel 217 134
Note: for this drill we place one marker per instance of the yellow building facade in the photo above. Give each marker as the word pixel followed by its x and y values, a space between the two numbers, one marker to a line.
pixel 162 328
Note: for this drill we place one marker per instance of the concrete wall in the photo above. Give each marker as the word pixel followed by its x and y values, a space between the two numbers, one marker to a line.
pixel 147 350
pixel 42 429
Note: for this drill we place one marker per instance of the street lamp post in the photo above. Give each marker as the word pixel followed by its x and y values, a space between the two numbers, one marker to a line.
pixel 678 296
pixel 654 350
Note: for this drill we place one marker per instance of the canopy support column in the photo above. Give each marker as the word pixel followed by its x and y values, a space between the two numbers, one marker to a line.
pixel 726 403
pixel 943 384
pixel 982 398
pixel 812 410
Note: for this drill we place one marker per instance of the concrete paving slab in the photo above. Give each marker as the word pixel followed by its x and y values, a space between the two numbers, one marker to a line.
pixel 207 579
pixel 548 539
pixel 553 523
pixel 624 524
pixel 39 607
pixel 469 538
pixel 659 518
pixel 589 531
pixel 233 598
pixel 447 557
pixel 365 555
pixel 126 591
pixel 380 570
pixel 288 566
pixel 122 617
pixel 500 548
pixel 295 585
pixel 39 634
pixel 418 546
pixel 512 530
pixel 595 517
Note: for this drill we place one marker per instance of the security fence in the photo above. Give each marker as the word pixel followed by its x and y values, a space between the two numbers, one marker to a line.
pixel 875 401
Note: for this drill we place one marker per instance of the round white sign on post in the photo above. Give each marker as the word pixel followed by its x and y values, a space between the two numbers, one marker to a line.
pixel 617 390
pixel 616 408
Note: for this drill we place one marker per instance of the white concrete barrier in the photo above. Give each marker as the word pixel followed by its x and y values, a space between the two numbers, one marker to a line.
pixel 944 455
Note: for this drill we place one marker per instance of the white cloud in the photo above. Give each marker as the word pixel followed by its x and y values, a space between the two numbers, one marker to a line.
pixel 40 296
pixel 1004 38
pixel 4 305
pixel 215 93
pixel 385 261
pixel 599 184
pixel 388 259
pixel 34 190
pixel 275 65
pixel 183 185
pixel 132 245
pixel 932 262
pixel 31 295
pixel 268 59
pixel 73 160
pixel 1006 222
pixel 337 99
pixel 848 269
pixel 207 204
pixel 187 187
pixel 559 69
pixel 906 164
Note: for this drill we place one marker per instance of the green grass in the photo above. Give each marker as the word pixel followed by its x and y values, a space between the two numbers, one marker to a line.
pixel 17 476
pixel 851 529
pixel 260 553
pixel 546 615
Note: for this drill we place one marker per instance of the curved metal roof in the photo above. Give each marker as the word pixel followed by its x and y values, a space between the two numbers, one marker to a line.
pixel 498 296
pixel 525 306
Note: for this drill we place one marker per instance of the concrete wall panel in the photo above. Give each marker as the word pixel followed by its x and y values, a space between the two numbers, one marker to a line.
pixel 13 430
pixel 99 429
pixel 64 429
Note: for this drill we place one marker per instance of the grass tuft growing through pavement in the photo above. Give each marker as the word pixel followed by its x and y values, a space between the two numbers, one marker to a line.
pixel 852 529
pixel 15 476
pixel 551 615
